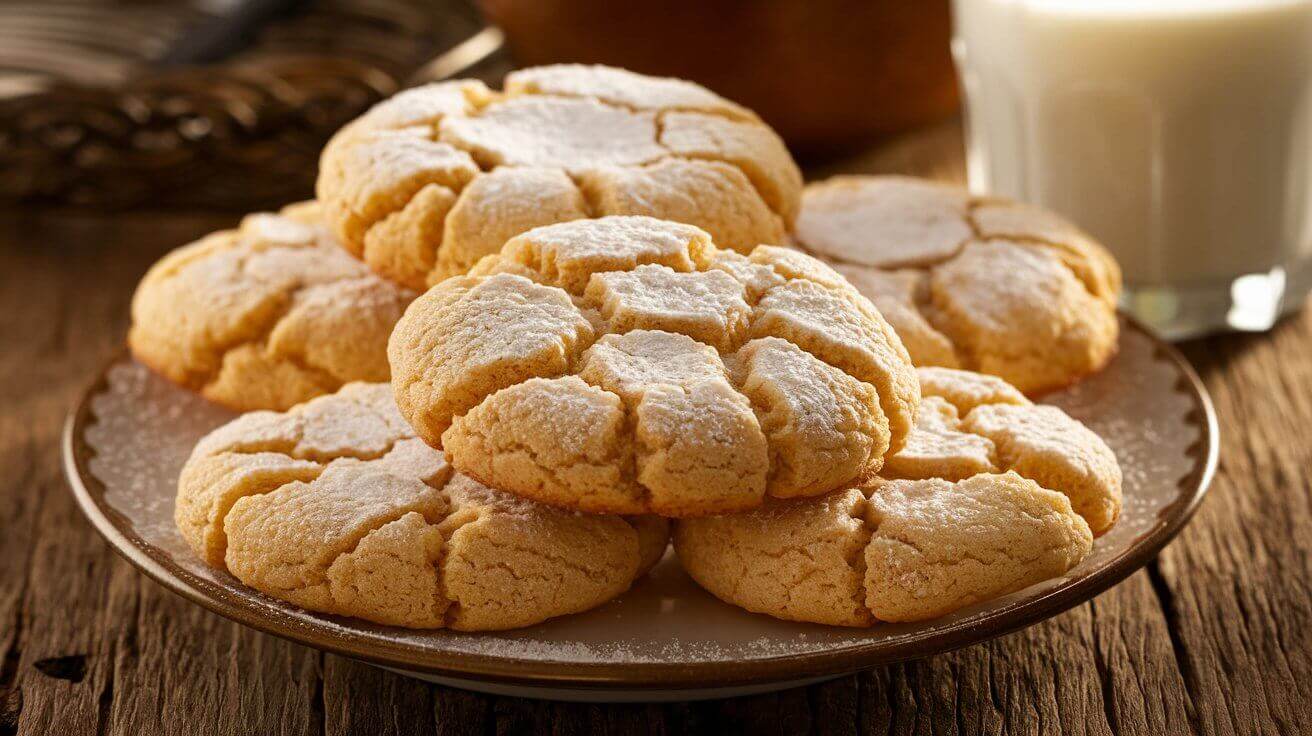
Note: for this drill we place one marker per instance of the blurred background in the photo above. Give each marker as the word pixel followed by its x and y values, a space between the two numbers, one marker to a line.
pixel 225 104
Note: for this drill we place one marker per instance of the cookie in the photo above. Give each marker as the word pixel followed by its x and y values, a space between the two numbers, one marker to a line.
pixel 336 507
pixel 627 365
pixel 984 284
pixel 431 180
pixel 265 316
pixel 990 494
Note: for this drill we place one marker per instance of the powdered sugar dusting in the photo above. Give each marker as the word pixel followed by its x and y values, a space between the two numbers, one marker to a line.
pixel 145 428
pixel 1138 407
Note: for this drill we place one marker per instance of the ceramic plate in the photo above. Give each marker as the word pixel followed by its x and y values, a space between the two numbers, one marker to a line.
pixel 665 639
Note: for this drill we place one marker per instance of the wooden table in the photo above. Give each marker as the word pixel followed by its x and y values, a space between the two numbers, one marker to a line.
pixel 1214 637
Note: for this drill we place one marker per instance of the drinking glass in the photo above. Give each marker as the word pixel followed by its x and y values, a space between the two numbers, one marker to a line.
pixel 1175 132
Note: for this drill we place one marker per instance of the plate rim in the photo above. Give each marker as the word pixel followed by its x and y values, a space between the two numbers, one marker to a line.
pixel 89 492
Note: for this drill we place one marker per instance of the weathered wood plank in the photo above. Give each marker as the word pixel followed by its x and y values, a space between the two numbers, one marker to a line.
pixel 178 664
pixel 1238 584
pixel 359 699
pixel 1040 681
pixel 836 706
pixel 1143 687
pixel 59 330
pixel 24 462
pixel 461 713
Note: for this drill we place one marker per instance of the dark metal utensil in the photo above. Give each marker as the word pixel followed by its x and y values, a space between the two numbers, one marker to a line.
pixel 219 36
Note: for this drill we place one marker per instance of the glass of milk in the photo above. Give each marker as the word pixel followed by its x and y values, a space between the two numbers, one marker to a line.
pixel 1176 133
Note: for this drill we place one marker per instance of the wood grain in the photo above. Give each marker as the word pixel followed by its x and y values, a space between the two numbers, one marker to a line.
pixel 1213 638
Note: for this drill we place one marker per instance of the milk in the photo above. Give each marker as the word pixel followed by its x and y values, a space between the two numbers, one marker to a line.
pixel 1175 132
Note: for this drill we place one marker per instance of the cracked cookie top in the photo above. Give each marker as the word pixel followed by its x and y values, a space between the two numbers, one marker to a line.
pixel 984 284
pixel 431 180
pixel 267 315
pixel 627 365
pixel 336 507
pixel 989 495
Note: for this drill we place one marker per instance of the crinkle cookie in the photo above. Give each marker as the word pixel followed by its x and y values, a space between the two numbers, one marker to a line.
pixel 980 283
pixel 431 180
pixel 627 365
pixel 336 507
pixel 267 315
pixel 991 494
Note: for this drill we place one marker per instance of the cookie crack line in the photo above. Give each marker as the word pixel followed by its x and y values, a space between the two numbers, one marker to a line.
pixel 924 266
pixel 631 405
pixel 973 203
pixel 617 105
pixel 400 539
pixel 258 336
pixel 1048 246
pixel 738 140
pixel 958 555
pixel 1056 250
pixel 866 530
pixel 452 610
pixel 232 315
pixel 957 341
pixel 220 520
pixel 875 595
pixel 509 446
pixel 755 333
pixel 919 303
pixel 1054 247
pixel 594 208
pixel 756 187
pixel 883 389
pixel 322 376
pixel 663 374
pixel 594 574
pixel 290 448
pixel 984 535
pixel 934 254
pixel 296 454
pixel 541 496
pixel 775 464
pixel 359 536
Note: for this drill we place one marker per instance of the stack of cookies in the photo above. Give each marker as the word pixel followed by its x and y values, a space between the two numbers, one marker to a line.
pixel 524 338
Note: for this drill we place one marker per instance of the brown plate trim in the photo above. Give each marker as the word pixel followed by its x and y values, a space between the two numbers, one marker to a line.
pixel 90 495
